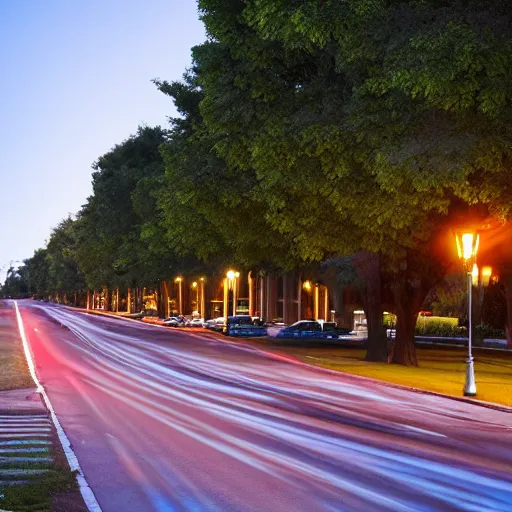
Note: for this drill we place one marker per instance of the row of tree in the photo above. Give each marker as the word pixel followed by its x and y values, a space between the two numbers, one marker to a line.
pixel 359 133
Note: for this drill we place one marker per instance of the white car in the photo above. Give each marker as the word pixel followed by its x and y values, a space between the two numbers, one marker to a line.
pixel 216 324
pixel 174 321
pixel 194 322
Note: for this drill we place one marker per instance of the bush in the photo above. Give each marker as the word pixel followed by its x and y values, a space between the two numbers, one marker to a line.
pixel 440 326
pixel 486 331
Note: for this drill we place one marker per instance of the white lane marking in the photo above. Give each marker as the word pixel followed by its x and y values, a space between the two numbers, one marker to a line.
pixel 23 442
pixel 9 436
pixel 23 426
pixel 23 418
pixel 5 483
pixel 87 493
pixel 24 429
pixel 26 459
pixel 423 431
pixel 24 450
pixel 15 472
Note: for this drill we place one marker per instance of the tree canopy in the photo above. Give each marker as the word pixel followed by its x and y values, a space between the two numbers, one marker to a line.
pixel 310 130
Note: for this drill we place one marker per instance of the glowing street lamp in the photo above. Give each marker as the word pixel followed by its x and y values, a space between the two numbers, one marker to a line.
pixel 196 288
pixel 179 280
pixel 486 276
pixel 467 248
pixel 201 286
pixel 233 276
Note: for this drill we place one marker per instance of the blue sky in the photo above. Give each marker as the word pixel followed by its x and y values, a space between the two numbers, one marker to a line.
pixel 76 80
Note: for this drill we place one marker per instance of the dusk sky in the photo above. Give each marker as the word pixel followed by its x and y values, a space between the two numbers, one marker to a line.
pixel 76 80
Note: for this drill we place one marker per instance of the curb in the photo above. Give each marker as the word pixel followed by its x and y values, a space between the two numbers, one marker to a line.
pixel 293 360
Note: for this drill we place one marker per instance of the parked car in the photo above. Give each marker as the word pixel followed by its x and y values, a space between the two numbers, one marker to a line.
pixel 194 322
pixel 244 325
pixel 308 329
pixel 142 314
pixel 174 321
pixel 215 324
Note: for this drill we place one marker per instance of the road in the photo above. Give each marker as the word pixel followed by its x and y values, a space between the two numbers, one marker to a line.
pixel 168 421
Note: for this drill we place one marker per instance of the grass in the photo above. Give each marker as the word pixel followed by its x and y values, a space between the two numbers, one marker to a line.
pixel 13 365
pixel 440 369
pixel 40 494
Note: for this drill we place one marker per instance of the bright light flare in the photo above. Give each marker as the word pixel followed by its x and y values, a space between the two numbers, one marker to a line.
pixel 486 275
pixel 467 245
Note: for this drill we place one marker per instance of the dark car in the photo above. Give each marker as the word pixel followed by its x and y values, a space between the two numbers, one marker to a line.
pixel 142 314
pixel 244 325
pixel 306 329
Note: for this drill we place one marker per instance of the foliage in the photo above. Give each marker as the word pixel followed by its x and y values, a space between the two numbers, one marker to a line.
pixel 368 125
pixel 15 285
pixel 494 311
pixel 439 326
pixel 450 297
pixel 484 331
pixel 118 230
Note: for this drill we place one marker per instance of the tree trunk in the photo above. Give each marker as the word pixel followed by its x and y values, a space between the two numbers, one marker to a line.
pixel 138 299
pixel 408 301
pixel 368 267
pixel 507 283
pixel 377 344
pixel 405 350
pixel 106 299
pixel 166 300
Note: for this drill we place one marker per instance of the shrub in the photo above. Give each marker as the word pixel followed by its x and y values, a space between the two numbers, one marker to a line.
pixel 486 331
pixel 439 326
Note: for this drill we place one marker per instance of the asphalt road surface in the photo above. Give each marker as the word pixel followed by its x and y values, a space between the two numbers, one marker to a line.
pixel 169 421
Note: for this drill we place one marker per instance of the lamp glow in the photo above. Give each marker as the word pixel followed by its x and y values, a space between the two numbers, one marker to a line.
pixel 230 274
pixel 474 275
pixel 486 275
pixel 467 245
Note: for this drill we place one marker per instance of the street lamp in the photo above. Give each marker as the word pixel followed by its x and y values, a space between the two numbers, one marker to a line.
pixel 201 286
pixel 179 280
pixel 196 288
pixel 233 277
pixel 486 276
pixel 467 248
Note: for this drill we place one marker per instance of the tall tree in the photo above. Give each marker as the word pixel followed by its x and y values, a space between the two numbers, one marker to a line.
pixel 329 104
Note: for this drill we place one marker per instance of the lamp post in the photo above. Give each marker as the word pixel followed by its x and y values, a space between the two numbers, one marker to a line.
pixel 196 288
pixel 201 285
pixel 467 248
pixel 232 281
pixel 179 280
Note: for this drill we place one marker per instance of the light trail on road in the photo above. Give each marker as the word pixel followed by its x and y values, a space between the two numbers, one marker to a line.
pixel 164 421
